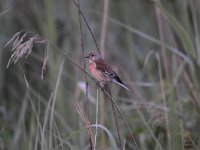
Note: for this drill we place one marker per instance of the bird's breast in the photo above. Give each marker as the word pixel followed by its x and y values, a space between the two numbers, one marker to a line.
pixel 97 74
pixel 91 66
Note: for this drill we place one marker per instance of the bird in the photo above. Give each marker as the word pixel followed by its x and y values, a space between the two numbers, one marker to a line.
pixel 101 71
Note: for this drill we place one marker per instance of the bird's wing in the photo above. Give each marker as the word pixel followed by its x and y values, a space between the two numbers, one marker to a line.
pixel 106 69
pixel 102 66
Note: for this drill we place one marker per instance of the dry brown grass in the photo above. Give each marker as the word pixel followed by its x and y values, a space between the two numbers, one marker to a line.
pixel 21 47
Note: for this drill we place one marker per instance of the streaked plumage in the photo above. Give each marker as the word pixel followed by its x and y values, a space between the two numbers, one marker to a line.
pixel 101 71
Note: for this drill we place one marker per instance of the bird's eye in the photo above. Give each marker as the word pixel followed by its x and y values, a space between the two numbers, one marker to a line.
pixel 92 55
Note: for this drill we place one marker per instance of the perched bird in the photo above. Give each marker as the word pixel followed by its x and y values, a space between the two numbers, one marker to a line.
pixel 101 71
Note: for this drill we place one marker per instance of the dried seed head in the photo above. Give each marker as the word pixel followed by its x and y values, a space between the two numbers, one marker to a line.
pixel 158 118
pixel 20 48
pixel 14 37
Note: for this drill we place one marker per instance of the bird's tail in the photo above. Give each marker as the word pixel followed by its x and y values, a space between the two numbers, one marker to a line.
pixel 119 82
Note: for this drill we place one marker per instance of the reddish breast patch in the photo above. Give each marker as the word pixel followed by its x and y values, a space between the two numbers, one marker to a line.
pixel 97 74
pixel 91 66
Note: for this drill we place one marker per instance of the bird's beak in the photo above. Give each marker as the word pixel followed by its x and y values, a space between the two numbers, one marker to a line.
pixel 87 57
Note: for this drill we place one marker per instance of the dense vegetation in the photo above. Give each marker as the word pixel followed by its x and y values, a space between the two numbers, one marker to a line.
pixel 153 45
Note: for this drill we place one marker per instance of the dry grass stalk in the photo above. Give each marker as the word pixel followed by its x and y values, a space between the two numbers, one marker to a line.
pixel 44 64
pixel 86 104
pixel 20 47
pixel 84 19
pixel 87 125
pixel 18 41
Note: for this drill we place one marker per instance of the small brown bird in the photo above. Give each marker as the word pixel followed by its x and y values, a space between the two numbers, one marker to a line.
pixel 101 71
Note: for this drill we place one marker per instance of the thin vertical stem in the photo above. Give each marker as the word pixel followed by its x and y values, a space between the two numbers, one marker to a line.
pixel 108 90
pixel 86 105
pixel 95 41
pixel 103 37
pixel 164 99
pixel 54 102
pixel 165 61
pixel 97 111
pixel 117 126
pixel 102 118
pixel 104 25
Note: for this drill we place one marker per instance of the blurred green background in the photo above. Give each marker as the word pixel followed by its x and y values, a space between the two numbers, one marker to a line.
pixel 153 45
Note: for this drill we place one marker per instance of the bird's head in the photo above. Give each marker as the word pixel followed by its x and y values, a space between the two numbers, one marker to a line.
pixel 94 56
